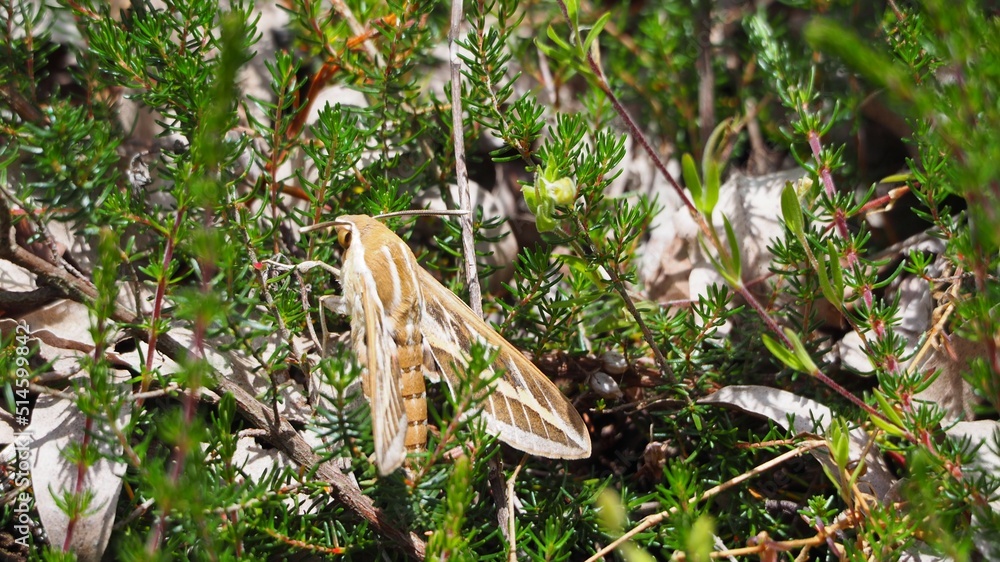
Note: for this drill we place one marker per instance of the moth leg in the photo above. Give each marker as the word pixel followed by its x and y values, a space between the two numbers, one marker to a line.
pixel 335 304
pixel 430 365
pixel 305 266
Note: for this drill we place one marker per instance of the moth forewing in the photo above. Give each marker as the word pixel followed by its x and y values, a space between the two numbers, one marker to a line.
pixel 523 408
pixel 379 280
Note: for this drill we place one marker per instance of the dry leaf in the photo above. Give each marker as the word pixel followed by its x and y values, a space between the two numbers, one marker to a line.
pixel 808 416
pixel 949 390
pixel 56 423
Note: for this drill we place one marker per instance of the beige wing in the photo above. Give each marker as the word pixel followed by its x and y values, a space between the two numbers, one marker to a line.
pixel 381 383
pixel 523 408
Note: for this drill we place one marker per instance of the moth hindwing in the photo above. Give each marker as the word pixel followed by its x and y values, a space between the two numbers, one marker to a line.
pixel 403 322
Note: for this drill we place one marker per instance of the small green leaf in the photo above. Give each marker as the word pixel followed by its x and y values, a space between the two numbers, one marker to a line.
pixel 781 353
pixel 897 178
pixel 554 36
pixel 887 427
pixel 886 409
pixel 713 183
pixel 795 358
pixel 691 180
pixel 735 260
pixel 696 419
pixel 840 443
pixel 576 263
pixel 857 472
pixel 800 352
pixel 544 220
pixel 831 294
pixel 838 272
pixel 547 51
pixel 833 479
pixel 791 211
pixel 595 30
pixel 711 165
pixel 573 11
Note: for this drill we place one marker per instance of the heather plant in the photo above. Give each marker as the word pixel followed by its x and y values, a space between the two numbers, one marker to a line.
pixel 754 248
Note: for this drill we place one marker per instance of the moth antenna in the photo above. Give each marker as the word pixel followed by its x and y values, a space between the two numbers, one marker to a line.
pixel 410 213
pixel 421 213
pixel 320 226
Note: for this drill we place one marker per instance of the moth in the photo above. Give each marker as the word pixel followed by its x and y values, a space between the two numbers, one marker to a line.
pixel 406 326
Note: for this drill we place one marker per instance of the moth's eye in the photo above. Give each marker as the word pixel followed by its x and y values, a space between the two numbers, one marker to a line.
pixel 344 237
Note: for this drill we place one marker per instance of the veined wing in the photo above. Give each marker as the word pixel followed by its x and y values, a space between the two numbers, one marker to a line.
pixel 523 408
pixel 381 383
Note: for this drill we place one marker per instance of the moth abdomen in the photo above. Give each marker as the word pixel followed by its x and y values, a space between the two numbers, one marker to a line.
pixel 413 390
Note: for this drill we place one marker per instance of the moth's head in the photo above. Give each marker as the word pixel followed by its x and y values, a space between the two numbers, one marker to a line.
pixel 345 232
pixel 351 228
pixel 347 227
